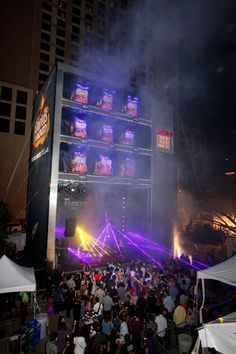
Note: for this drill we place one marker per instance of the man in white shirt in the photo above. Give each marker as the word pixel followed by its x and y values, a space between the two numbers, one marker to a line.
pixel 161 323
pixel 98 307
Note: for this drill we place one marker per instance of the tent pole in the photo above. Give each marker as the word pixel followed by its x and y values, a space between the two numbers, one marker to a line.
pixel 196 300
pixel 36 305
pixel 203 300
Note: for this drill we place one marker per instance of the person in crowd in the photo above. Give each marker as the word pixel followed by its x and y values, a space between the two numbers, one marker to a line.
pixel 85 306
pixel 100 293
pixel 150 323
pixel 136 329
pixel 70 282
pixel 107 328
pixel 150 343
pixel 107 303
pixel 167 302
pixel 141 306
pixel 173 291
pixel 58 299
pixel 121 292
pixel 161 323
pixel 51 346
pixel 62 333
pixel 123 327
pixel 129 306
pixel 76 309
pixel 98 307
pixel 179 318
pixel 183 299
pixel 79 340
pixel 128 347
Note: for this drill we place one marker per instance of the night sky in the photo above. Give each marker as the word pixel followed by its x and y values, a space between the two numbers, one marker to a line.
pixel 208 81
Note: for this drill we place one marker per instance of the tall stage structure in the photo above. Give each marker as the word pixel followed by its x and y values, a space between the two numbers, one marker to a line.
pixel 97 151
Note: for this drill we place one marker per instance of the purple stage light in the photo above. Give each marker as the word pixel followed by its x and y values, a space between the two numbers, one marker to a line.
pixel 99 237
pixel 201 264
pixel 188 264
pixel 140 249
pixel 156 246
pixel 84 257
pixel 144 239
pixel 59 230
pixel 105 237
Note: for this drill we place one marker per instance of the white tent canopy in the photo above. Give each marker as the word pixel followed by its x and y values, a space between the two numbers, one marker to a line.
pixel 14 278
pixel 224 272
pixel 220 334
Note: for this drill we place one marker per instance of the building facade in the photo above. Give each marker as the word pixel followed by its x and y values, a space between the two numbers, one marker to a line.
pixel 106 37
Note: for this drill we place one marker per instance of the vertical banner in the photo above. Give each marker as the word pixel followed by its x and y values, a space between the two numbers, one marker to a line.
pixel 40 174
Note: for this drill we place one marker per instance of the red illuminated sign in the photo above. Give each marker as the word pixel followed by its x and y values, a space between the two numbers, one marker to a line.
pixel 164 140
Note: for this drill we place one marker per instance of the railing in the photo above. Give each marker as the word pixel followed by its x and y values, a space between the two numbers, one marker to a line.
pixel 10 327
pixel 11 345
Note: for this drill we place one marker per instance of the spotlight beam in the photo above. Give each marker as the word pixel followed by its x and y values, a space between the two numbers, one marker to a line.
pixel 99 237
pixel 140 249
pixel 115 239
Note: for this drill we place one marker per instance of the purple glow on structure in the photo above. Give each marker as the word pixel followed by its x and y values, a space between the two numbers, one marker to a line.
pixel 188 264
pixel 201 264
pixel 84 257
pixel 59 230
pixel 140 249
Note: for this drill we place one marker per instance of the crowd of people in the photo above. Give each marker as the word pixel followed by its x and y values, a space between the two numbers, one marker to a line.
pixel 122 308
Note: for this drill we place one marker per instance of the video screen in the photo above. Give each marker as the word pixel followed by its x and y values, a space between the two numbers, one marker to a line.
pixel 78 128
pixel 78 163
pixel 80 93
pixel 103 166
pixel 127 138
pixel 107 100
pixel 132 106
pixel 106 133
pixel 127 167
